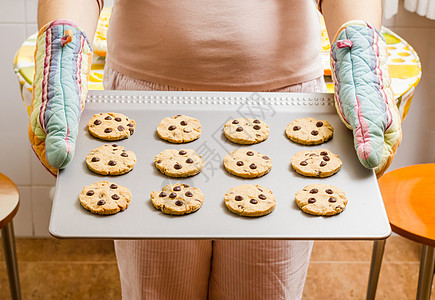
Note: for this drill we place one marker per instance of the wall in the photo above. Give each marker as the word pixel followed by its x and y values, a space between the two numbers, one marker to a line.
pixel 18 21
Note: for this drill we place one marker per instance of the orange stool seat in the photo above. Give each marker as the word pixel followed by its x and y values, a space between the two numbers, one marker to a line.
pixel 409 198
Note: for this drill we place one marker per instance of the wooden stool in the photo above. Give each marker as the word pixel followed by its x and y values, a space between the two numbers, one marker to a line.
pixel 9 201
pixel 409 198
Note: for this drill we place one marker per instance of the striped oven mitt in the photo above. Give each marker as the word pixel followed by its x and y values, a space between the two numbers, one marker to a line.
pixel 63 58
pixel 363 95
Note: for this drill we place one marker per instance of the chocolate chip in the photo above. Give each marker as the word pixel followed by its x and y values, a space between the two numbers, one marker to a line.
pixel 253 166
pixel 121 128
pixel 177 188
pixel 177 166
pixel 253 201
pixel 329 191
pixel 256 121
pixel 303 163
pixel 296 128
pixel 113 186
pixel 179 203
pixel 238 198
pixel 108 118
pixel 189 161
pixel 235 122
pixel 314 191
pixel 262 197
pixel 319 124
pixel 115 197
pixel 101 202
pixel 311 200
pixel 108 130
pixel 257 127
pixel 266 157
pixel 332 200
pixel 159 161
pixel 115 145
pixel 187 130
pixel 314 132
pixel 131 130
pixel 239 129
pixel 323 153
pixel 172 195
pixel 240 163
pixel 162 194
pixel 97 122
pixel 177 116
pixel 182 152
pixel 123 154
pixel 185 185
pixel 188 194
pixel 118 119
pixel 95 159
pixel 130 125
pixel 111 163
pixel 338 207
pixel 249 153
pixel 322 163
pixel 326 158
pixel 172 127
pixel 90 193
pixel 183 123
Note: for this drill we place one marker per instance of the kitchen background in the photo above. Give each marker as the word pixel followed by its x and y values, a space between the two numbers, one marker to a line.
pixel 18 21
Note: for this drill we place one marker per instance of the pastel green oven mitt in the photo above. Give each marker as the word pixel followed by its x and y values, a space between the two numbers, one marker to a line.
pixel 363 95
pixel 63 58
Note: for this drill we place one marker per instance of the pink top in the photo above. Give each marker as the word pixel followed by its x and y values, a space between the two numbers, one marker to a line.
pixel 239 45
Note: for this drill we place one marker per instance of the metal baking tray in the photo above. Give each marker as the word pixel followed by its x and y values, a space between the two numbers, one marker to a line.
pixel 363 218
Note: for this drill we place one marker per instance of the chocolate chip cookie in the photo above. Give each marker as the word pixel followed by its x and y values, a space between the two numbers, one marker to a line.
pixel 111 160
pixel 247 163
pixel 321 200
pixel 179 163
pixel 179 129
pixel 309 131
pixel 246 131
pixel 250 200
pixel 111 126
pixel 177 199
pixel 105 198
pixel 316 163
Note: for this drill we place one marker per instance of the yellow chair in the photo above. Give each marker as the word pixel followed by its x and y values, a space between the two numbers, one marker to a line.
pixel 9 202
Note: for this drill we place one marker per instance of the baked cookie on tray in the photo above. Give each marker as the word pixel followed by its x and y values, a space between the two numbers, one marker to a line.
pixel 179 163
pixel 111 126
pixel 179 129
pixel 250 200
pixel 309 131
pixel 110 160
pixel 246 131
pixel 247 163
pixel 177 199
pixel 316 163
pixel 105 198
pixel 321 200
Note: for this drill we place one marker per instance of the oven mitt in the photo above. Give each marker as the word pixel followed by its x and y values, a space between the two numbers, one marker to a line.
pixel 363 95
pixel 63 58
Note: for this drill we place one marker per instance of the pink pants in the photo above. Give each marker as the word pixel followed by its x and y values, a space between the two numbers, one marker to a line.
pixel 205 269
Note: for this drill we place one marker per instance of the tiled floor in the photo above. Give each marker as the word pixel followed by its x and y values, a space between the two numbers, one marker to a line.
pixel 86 269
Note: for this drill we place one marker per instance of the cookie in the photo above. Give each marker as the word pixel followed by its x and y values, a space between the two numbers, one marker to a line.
pixel 105 198
pixel 179 163
pixel 247 163
pixel 321 200
pixel 111 160
pixel 177 199
pixel 309 131
pixel 179 129
pixel 316 163
pixel 250 200
pixel 111 126
pixel 246 131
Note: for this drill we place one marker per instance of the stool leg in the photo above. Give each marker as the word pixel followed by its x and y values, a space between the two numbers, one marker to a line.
pixel 425 276
pixel 11 260
pixel 375 268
